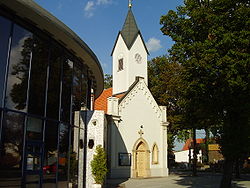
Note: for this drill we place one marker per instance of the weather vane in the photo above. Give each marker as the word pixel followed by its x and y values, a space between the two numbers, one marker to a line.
pixel 130 4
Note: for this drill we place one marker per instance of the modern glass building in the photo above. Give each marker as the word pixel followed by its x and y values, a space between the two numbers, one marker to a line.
pixel 47 74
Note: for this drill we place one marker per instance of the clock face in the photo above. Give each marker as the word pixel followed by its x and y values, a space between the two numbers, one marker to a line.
pixel 138 58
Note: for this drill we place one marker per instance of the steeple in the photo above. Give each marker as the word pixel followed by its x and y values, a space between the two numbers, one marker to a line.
pixel 129 30
pixel 129 55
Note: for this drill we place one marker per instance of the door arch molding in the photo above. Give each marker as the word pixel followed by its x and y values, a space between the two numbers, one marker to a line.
pixel 141 156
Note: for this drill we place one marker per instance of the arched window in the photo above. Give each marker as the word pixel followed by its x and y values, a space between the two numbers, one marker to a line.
pixel 155 156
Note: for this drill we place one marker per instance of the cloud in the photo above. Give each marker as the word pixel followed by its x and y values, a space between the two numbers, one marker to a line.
pixel 88 9
pixel 91 6
pixel 153 44
pixel 103 2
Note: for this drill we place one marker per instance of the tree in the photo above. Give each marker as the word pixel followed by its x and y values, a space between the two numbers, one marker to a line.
pixel 99 165
pixel 166 87
pixel 212 44
pixel 107 81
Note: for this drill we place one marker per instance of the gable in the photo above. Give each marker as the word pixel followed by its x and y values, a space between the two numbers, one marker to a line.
pixel 131 43
pixel 139 88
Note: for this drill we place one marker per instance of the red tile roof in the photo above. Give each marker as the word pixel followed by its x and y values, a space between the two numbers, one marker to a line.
pixel 101 103
pixel 189 143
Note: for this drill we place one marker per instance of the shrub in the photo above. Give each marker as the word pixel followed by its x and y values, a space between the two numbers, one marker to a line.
pixel 99 165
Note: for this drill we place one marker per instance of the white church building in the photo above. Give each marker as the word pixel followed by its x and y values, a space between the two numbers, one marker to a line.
pixel 133 125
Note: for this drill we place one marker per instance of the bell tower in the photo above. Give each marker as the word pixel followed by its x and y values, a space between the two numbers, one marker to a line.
pixel 129 55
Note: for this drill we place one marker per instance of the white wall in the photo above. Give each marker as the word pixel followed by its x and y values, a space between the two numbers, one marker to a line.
pixel 96 131
pixel 122 80
pixel 136 69
pixel 139 109
pixel 183 156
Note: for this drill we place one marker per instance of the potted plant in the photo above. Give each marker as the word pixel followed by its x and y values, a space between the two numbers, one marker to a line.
pixel 99 166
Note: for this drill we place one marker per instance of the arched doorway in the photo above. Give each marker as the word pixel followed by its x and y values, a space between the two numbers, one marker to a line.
pixel 141 159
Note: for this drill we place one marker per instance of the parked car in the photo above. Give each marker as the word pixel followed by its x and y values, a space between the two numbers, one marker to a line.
pixel 49 169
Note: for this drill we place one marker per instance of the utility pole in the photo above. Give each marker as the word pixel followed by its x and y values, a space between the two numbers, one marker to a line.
pixel 194 153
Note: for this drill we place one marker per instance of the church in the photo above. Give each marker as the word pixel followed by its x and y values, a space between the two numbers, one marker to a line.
pixel 135 135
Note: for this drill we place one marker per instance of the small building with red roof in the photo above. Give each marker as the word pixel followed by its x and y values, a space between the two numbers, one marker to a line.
pixel 186 154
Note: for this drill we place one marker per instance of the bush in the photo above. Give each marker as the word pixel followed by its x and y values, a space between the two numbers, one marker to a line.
pixel 99 165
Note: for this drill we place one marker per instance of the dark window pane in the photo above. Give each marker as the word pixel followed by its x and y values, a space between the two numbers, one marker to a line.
pixel 50 154
pixel 33 161
pixel 63 155
pixel 5 28
pixel 32 181
pixel 54 82
pixel 77 95
pixel 120 64
pixel 89 95
pixel 66 90
pixel 84 88
pixel 18 74
pixel 1 114
pixel 38 76
pixel 11 150
pixel 34 128
pixel 74 156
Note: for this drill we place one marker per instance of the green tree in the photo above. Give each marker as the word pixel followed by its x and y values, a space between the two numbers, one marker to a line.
pixel 99 165
pixel 212 45
pixel 107 81
pixel 166 87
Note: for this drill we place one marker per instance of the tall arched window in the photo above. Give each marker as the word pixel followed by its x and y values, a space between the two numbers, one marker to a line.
pixel 155 156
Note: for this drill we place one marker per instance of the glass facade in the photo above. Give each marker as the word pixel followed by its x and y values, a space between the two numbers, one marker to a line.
pixel 42 89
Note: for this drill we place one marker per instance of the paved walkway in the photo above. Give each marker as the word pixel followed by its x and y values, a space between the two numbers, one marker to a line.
pixel 203 180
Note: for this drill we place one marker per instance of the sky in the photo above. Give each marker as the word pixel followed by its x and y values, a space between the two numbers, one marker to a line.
pixel 97 23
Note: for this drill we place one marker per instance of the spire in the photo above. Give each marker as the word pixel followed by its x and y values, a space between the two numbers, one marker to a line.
pixel 129 30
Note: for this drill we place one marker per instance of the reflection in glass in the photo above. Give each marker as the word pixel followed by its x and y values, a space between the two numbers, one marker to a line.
pixel 63 155
pixel 12 149
pixel 54 82
pixel 84 88
pixel 34 128
pixel 33 162
pixel 66 90
pixel 5 28
pixel 18 74
pixel 77 77
pixel 50 153
pixel 32 181
pixel 73 171
pixel 32 62
pixel 38 76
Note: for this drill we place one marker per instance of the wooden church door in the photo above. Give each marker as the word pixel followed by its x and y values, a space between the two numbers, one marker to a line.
pixel 141 160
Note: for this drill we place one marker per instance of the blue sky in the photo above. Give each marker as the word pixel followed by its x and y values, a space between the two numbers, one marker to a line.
pixel 97 22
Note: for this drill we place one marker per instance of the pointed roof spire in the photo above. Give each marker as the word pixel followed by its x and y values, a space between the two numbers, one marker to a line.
pixel 129 30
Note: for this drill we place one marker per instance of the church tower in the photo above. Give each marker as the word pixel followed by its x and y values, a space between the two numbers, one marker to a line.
pixel 129 55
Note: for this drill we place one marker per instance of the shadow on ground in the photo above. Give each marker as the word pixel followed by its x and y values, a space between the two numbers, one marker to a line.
pixel 114 183
pixel 204 180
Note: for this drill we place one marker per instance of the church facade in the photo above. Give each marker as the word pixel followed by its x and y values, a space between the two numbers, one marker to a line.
pixel 136 126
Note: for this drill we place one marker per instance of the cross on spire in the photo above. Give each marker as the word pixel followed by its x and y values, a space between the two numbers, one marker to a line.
pixel 130 3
